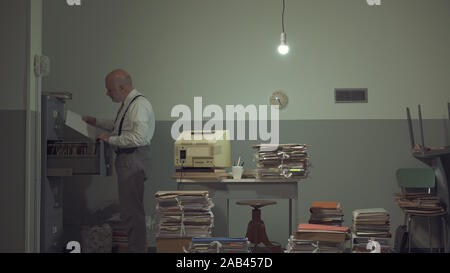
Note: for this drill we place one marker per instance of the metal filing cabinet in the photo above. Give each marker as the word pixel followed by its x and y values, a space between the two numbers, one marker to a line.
pixel 60 159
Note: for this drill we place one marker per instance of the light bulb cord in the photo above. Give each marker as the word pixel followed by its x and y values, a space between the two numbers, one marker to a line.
pixel 282 16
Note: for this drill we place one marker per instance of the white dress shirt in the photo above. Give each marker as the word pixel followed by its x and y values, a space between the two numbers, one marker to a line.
pixel 138 125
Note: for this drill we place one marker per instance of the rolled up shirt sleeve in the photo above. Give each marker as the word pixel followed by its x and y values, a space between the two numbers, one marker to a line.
pixel 105 124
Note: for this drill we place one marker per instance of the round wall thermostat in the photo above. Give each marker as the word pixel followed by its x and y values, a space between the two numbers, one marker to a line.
pixel 279 98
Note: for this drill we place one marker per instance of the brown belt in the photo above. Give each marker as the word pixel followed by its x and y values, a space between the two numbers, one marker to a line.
pixel 129 150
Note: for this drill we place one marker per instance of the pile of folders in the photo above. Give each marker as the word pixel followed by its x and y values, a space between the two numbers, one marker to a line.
pixel 281 161
pixel 184 214
pixel 219 245
pixel 419 203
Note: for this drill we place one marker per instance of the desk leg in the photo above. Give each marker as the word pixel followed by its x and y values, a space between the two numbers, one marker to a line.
pixel 290 216
pixel 295 213
pixel 228 218
pixel 220 211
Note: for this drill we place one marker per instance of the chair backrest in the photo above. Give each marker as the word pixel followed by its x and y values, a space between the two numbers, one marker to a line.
pixel 416 178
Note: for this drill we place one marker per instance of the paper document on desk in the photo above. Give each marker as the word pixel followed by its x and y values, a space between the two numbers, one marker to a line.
pixel 75 121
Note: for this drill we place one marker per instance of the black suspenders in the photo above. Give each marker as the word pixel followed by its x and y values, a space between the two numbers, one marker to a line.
pixel 123 116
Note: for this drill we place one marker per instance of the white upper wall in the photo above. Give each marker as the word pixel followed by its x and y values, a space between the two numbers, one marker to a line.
pixel 225 51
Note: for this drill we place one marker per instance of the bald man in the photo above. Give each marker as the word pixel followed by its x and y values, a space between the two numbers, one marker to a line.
pixel 130 134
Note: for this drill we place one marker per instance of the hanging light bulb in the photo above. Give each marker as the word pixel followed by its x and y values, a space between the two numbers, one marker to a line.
pixel 283 48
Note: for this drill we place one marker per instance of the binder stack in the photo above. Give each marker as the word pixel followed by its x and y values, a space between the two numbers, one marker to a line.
pixel 219 245
pixel 326 213
pixel 372 224
pixel 281 161
pixel 184 214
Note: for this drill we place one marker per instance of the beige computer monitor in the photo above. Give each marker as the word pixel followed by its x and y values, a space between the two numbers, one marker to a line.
pixel 203 149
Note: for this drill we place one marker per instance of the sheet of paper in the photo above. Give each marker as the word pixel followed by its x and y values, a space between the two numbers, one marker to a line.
pixel 75 121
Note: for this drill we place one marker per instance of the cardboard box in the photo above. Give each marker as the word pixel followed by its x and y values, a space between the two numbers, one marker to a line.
pixel 172 245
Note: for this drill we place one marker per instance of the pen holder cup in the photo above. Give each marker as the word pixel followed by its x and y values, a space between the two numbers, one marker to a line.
pixel 237 171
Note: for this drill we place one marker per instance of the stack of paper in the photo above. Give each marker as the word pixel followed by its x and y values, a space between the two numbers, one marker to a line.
pixel 75 121
pixel 372 222
pixel 360 244
pixel 184 214
pixel 326 213
pixel 219 245
pixel 281 161
pixel 97 239
pixel 301 246
pixel 424 204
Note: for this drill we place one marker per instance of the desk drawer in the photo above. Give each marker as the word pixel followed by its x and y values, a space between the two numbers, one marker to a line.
pixel 78 158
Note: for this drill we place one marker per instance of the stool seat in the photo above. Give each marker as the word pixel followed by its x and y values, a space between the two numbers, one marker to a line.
pixel 256 203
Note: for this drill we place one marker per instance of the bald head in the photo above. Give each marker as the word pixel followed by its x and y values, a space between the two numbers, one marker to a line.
pixel 118 85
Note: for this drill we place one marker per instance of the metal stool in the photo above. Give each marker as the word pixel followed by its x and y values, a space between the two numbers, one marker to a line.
pixel 256 230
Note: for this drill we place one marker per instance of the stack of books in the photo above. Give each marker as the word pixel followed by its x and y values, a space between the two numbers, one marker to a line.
pixel 184 214
pixel 326 213
pixel 119 235
pixel 327 238
pixel 219 245
pixel 281 161
pixel 371 222
pixel 424 204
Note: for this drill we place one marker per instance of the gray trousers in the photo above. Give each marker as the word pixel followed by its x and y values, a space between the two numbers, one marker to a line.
pixel 133 170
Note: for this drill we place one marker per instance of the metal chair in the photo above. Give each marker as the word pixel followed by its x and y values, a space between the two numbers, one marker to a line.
pixel 420 178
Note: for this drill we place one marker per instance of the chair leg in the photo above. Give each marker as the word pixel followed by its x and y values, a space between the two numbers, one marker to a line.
pixel 444 232
pixel 440 237
pixel 408 228
pixel 429 234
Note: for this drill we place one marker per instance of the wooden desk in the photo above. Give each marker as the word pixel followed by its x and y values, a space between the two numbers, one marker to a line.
pixel 222 191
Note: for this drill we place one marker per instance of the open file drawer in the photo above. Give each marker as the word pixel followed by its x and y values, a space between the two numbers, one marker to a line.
pixel 78 158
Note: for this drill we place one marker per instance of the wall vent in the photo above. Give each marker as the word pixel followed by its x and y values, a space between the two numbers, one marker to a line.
pixel 358 95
